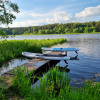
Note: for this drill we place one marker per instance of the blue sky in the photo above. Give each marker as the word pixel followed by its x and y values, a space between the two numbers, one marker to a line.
pixel 42 12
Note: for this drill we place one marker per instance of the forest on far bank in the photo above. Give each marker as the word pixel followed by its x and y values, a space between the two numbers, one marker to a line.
pixel 87 27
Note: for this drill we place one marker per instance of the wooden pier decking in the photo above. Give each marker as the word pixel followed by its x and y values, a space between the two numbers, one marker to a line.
pixel 39 66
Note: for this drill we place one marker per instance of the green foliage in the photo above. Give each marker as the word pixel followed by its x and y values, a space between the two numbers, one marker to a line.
pixel 97 25
pixel 6 9
pixel 14 48
pixel 50 91
pixel 21 82
pixel 76 30
pixel 57 28
pixel 55 85
pixel 13 31
pixel 67 30
pixel 1 94
pixel 60 30
pixel 50 85
pixel 41 32
pixel 3 34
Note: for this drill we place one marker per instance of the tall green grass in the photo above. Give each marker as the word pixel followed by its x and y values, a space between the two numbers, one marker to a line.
pixel 1 94
pixel 14 48
pixel 55 85
pixel 21 82
pixel 51 85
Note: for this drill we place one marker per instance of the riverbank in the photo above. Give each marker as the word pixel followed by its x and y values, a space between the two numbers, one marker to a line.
pixel 55 85
pixel 56 34
pixel 14 48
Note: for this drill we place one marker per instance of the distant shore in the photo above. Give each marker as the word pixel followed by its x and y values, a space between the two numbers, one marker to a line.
pixel 56 34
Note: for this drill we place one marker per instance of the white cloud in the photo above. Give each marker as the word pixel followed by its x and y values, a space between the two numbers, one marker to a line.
pixel 58 15
pixel 36 15
pixel 89 12
pixel 32 18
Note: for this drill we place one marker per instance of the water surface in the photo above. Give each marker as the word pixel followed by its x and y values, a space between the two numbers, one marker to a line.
pixel 88 65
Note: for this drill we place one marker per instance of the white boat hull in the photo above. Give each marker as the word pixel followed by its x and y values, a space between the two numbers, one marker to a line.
pixel 41 56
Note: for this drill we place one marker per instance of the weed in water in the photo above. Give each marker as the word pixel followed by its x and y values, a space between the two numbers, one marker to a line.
pixel 14 48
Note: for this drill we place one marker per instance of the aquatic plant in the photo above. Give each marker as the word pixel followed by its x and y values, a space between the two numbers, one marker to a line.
pixel 14 48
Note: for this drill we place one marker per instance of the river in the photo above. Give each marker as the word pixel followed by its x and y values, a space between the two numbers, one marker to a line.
pixel 88 65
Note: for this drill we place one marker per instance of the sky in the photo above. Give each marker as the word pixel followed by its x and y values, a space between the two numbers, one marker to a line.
pixel 43 12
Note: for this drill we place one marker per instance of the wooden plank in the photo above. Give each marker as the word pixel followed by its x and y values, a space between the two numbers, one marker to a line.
pixel 39 66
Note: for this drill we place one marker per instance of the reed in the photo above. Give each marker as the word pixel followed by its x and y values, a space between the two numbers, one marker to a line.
pixel 51 84
pixel 21 82
pixel 54 85
pixel 14 48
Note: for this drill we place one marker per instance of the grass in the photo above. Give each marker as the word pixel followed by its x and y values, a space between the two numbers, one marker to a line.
pixel 1 94
pixel 56 34
pixel 21 82
pixel 14 48
pixel 84 33
pixel 55 85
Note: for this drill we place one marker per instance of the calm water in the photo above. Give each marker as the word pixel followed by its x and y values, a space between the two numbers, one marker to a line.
pixel 88 65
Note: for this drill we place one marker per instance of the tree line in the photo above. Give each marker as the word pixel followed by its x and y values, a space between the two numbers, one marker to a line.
pixel 56 28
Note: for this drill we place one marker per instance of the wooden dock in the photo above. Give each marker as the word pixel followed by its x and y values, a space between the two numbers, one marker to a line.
pixel 39 66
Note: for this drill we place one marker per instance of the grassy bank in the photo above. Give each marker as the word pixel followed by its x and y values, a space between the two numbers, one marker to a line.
pixel 14 48
pixel 56 34
pixel 55 85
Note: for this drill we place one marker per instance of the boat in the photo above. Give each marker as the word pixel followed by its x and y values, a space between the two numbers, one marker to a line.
pixel 60 49
pixel 44 56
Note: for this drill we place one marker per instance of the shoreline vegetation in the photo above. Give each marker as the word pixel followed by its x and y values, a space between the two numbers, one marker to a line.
pixel 14 48
pixel 56 34
pixel 55 85
pixel 57 28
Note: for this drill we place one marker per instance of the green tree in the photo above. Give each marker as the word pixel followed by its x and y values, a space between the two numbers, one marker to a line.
pixel 41 32
pixel 75 30
pixel 67 30
pixel 98 26
pixel 47 31
pixel 28 31
pixel 3 34
pixel 81 30
pixel 61 30
pixel 6 9
pixel 52 31
pixel 88 29
pixel 34 30
pixel 94 29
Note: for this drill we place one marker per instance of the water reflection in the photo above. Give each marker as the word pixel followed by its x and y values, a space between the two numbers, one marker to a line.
pixel 11 64
pixel 87 66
